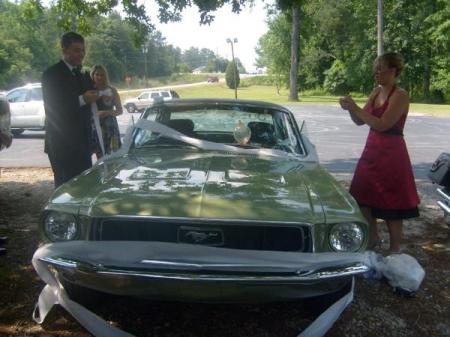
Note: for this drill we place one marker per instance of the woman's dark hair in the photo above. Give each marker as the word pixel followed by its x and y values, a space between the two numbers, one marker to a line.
pixel 68 38
pixel 392 60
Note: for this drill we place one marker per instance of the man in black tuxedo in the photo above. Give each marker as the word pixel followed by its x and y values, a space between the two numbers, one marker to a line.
pixel 68 95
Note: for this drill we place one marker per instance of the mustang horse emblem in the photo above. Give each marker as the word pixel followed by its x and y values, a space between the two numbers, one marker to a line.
pixel 199 237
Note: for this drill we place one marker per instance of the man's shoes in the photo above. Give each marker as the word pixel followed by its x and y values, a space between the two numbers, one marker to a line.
pixel 3 239
pixel 2 251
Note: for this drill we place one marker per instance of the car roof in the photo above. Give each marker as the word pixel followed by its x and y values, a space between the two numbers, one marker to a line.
pixel 221 101
pixel 28 86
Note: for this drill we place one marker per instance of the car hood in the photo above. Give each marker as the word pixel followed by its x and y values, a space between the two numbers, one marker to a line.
pixel 203 184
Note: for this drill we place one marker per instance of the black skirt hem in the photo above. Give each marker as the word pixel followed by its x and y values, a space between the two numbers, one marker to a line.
pixel 392 214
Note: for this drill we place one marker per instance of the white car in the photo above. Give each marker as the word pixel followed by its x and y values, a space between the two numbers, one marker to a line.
pixel 146 98
pixel 27 108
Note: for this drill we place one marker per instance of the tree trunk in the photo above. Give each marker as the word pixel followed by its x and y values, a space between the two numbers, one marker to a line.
pixel 427 75
pixel 295 39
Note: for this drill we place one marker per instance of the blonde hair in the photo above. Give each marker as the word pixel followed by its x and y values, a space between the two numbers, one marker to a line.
pixel 392 60
pixel 99 67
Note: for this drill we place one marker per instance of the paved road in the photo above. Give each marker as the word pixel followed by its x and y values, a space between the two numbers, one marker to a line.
pixel 339 142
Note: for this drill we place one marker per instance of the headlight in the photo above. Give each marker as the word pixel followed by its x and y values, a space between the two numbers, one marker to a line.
pixel 346 237
pixel 60 226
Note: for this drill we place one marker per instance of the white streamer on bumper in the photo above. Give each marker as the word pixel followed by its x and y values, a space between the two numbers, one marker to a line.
pixel 54 293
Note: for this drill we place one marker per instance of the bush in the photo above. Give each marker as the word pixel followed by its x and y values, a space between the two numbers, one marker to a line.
pixel 437 96
pixel 229 76
pixel 268 80
pixel 336 79
pixel 314 92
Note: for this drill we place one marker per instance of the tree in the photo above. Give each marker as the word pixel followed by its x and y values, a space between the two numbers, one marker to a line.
pixel 273 49
pixel 295 37
pixel 196 58
pixel 78 14
pixel 230 74
pixel 218 64
pixel 293 6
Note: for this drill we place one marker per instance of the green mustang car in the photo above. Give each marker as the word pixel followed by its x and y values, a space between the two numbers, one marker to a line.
pixel 207 201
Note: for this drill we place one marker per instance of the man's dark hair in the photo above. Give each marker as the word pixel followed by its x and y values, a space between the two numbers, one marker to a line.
pixel 68 38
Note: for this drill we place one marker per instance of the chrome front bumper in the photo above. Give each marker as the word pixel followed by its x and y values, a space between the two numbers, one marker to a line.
pixel 168 271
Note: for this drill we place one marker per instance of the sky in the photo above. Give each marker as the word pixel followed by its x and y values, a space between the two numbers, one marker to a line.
pixel 247 27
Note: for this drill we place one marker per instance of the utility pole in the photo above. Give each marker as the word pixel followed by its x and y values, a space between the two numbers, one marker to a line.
pixel 380 44
pixel 144 52
pixel 230 41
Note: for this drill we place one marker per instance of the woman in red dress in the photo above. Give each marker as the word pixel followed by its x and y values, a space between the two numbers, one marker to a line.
pixel 383 183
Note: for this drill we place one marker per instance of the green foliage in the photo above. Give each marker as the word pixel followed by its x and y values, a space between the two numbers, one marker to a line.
pixel 14 62
pixel 174 79
pixel 232 76
pixel 26 44
pixel 184 68
pixel 339 40
pixel 273 49
pixel 266 80
pixel 111 43
pixel 318 92
pixel 336 79
pixel 196 58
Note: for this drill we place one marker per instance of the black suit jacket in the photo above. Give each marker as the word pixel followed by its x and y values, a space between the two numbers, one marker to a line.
pixel 68 126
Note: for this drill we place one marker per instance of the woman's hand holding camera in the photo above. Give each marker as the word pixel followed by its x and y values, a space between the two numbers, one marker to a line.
pixel 347 103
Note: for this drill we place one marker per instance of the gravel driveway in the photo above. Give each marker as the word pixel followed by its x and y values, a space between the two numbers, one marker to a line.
pixel 375 311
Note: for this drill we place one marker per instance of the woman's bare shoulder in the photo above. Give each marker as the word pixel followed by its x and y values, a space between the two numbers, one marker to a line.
pixel 375 91
pixel 401 93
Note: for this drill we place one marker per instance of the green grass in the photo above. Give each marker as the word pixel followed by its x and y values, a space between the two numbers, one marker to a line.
pixel 269 94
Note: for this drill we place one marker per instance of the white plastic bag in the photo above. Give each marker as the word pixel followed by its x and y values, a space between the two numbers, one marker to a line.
pixel 375 262
pixel 403 272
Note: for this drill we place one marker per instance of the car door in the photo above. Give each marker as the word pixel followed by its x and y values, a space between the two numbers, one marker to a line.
pixel 34 109
pixel 154 96
pixel 17 99
pixel 166 95
pixel 143 101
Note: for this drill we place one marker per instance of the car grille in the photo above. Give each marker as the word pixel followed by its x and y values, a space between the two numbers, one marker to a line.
pixel 255 236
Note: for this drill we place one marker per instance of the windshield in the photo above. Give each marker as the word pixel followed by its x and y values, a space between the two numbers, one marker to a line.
pixel 237 125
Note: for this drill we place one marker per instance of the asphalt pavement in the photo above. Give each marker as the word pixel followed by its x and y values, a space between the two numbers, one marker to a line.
pixel 338 141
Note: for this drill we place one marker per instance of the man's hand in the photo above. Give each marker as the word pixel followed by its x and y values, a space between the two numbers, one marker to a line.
pixel 90 96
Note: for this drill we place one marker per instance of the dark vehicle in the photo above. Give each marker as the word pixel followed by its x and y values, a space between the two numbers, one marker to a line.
pixel 212 79
pixel 440 174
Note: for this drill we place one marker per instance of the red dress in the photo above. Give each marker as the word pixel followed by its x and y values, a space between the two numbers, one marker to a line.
pixel 383 178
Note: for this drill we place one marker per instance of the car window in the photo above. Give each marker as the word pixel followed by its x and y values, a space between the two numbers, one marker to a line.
pixel 19 95
pixel 154 94
pixel 143 96
pixel 36 94
pixel 265 127
pixel 165 94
